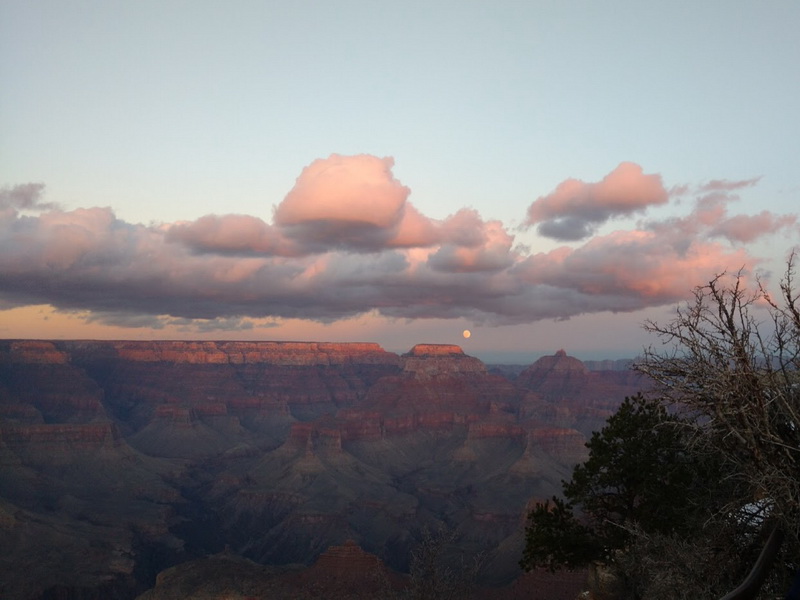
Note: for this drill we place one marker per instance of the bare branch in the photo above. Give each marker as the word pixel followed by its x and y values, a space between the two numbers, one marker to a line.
pixel 739 374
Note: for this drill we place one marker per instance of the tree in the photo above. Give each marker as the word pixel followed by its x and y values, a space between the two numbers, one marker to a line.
pixel 731 357
pixel 640 476
pixel 555 538
pixel 681 489
pixel 433 577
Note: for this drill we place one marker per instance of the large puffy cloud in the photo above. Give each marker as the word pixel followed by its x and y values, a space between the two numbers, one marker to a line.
pixel 575 209
pixel 350 203
pixel 344 201
pixel 346 241
pixel 341 203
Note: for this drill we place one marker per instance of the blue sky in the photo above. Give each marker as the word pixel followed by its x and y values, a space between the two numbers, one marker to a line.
pixel 166 112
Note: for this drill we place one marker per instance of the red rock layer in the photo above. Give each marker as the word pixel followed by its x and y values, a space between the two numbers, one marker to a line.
pixel 348 557
pixel 429 361
pixel 89 435
pixel 485 430
pixel 311 436
pixel 33 352
pixel 275 353
pixel 436 350
pixel 59 444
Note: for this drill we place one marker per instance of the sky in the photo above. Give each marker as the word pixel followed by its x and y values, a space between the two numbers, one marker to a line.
pixel 545 174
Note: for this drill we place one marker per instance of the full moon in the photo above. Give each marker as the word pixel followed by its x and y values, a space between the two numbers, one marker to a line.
pixel 467 333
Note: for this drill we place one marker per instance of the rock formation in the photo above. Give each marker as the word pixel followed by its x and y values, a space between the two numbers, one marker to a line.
pixel 561 391
pixel 126 457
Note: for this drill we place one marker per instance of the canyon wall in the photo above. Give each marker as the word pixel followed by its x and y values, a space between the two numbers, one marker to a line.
pixel 151 453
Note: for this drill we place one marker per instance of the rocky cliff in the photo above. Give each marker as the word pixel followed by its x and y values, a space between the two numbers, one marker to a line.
pixel 560 390
pixel 150 453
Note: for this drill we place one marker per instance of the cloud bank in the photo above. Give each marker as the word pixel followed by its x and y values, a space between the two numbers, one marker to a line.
pixel 347 240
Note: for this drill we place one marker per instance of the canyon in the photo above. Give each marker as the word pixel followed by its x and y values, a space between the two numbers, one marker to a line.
pixel 120 460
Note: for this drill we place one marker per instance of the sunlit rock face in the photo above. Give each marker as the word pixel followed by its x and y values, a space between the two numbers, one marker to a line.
pixel 34 352
pixel 237 353
pixel 128 457
pixel 430 361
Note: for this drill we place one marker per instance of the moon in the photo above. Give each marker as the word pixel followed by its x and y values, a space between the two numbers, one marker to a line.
pixel 466 333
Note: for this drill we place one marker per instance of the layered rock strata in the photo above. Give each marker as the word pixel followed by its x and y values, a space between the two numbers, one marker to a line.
pixel 154 452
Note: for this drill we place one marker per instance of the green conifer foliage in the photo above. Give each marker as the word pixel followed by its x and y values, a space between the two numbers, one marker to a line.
pixel 640 474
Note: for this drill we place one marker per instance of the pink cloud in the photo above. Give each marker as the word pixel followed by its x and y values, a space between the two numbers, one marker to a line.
pixel 61 240
pixel 235 234
pixel 346 241
pixel 465 228
pixel 748 228
pixel 639 266
pixel 575 209
pixel 389 222
pixel 344 200
pixel 489 250
pixel 414 230
pixel 710 219
pixel 710 209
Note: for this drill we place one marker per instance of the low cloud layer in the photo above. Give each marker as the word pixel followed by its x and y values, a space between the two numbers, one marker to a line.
pixel 347 240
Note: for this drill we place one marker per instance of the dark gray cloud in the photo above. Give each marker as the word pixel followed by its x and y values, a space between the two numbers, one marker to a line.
pixel 26 196
pixel 567 229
